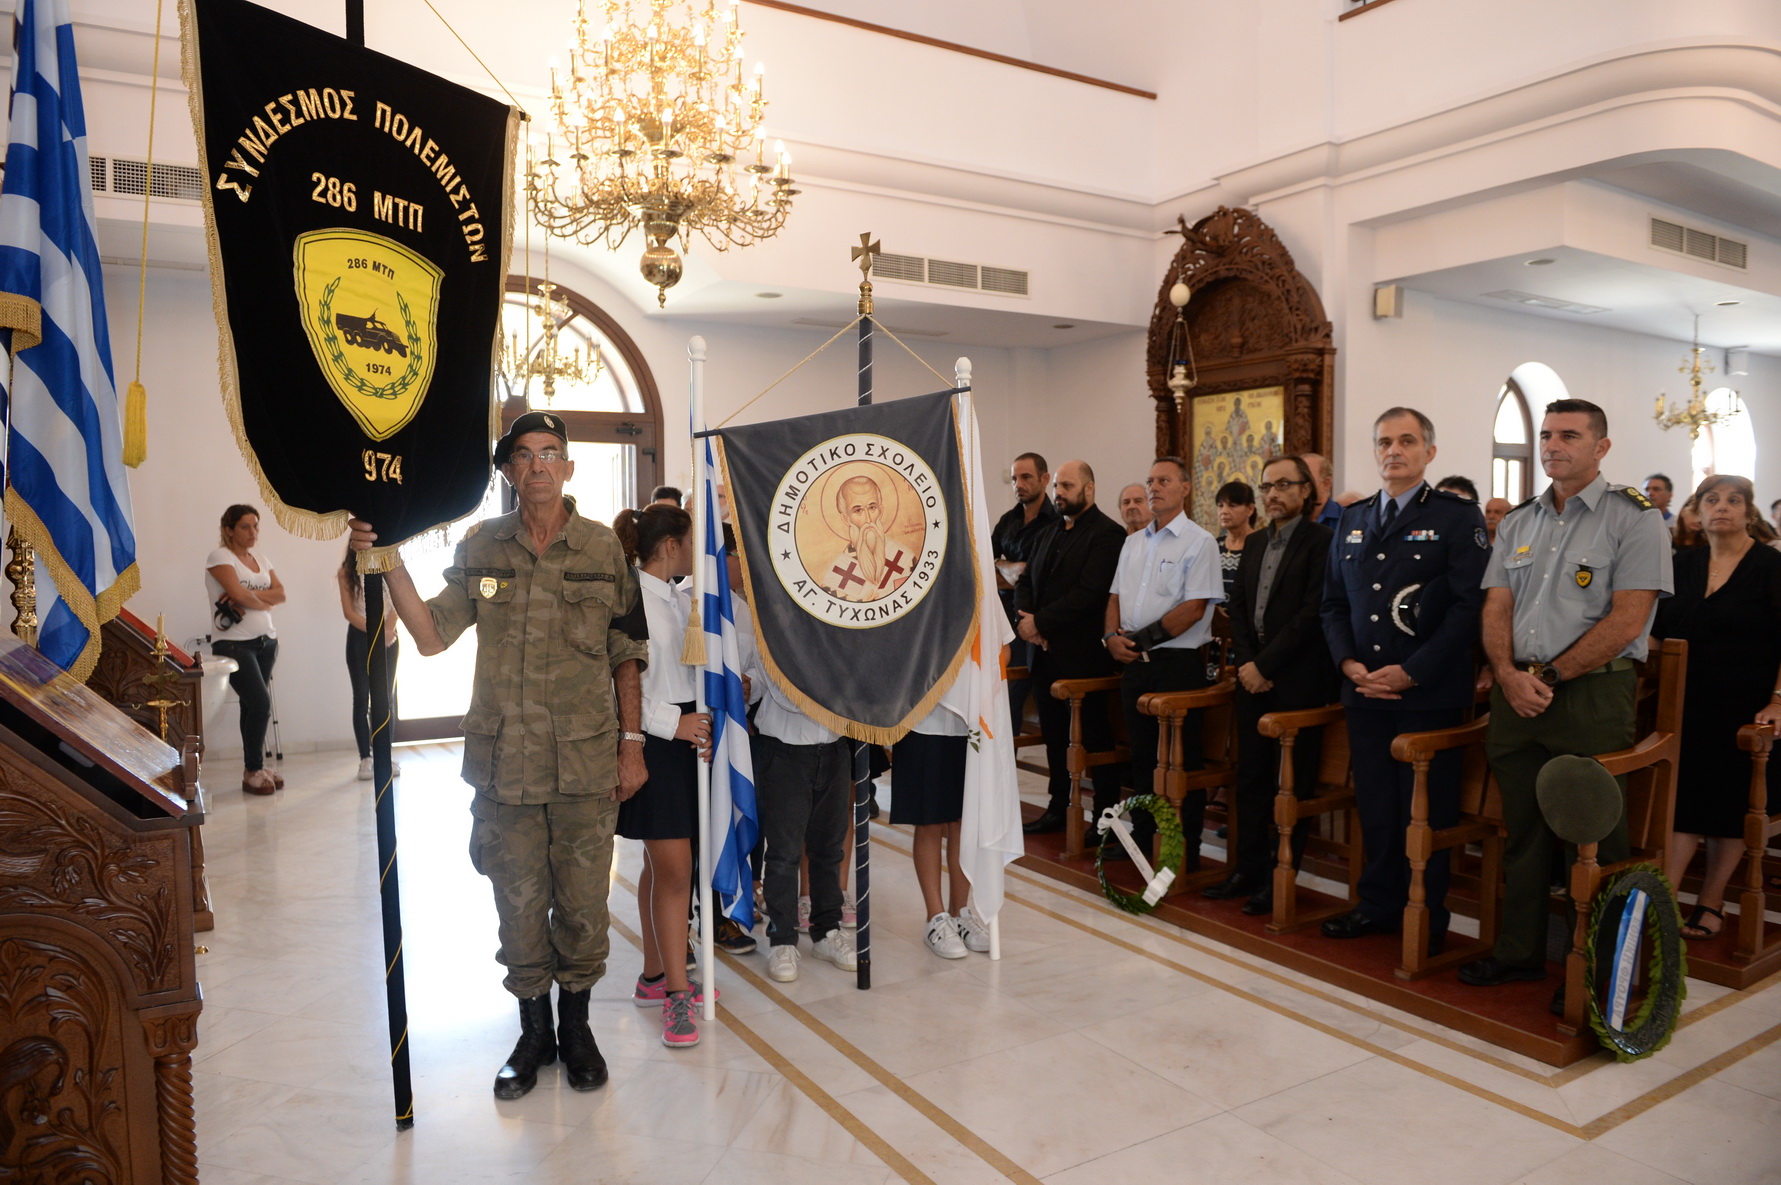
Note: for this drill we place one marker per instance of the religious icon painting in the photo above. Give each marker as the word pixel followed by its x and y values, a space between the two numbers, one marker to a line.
pixel 1233 433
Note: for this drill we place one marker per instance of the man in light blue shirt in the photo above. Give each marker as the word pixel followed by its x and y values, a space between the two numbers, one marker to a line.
pixel 1157 619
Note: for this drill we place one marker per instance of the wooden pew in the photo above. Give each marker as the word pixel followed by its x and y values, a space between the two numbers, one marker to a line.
pixel 1335 794
pixel 1480 822
pixel 1080 758
pixel 1650 770
pixel 1760 827
pixel 1218 752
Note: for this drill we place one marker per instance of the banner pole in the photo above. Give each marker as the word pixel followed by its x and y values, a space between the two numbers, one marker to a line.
pixel 395 986
pixel 862 760
pixel 709 844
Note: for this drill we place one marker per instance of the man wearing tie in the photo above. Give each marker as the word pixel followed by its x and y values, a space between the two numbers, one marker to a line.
pixel 1401 607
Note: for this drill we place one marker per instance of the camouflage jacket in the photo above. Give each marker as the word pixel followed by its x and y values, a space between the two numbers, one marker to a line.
pixel 550 631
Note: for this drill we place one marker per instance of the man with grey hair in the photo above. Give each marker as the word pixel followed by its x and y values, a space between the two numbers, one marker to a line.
pixel 1401 603
pixel 1329 511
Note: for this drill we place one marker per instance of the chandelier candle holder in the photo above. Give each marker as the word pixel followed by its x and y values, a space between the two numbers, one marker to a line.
pixel 1696 415
pixel 544 358
pixel 1183 374
pixel 658 129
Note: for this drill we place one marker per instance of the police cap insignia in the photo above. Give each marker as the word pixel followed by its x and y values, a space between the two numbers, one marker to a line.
pixel 532 421
pixel 1636 498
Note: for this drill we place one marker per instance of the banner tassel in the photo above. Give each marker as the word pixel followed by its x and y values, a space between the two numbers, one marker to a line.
pixel 135 425
pixel 692 649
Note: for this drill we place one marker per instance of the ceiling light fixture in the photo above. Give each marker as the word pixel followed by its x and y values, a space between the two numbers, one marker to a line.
pixel 1696 415
pixel 654 127
pixel 1542 262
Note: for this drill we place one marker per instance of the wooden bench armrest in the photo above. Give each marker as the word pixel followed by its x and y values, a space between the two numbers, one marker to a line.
pixel 1649 751
pixel 1078 688
pixel 1756 738
pixel 1016 674
pixel 1408 746
pixel 1284 724
pixel 1179 703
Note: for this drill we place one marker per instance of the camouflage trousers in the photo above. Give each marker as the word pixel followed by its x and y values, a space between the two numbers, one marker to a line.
pixel 550 867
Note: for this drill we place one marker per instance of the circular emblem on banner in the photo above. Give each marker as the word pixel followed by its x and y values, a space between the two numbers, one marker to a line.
pixel 858 530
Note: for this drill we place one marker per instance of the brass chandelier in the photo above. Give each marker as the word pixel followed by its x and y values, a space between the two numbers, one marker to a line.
pixel 658 127
pixel 544 357
pixel 1696 415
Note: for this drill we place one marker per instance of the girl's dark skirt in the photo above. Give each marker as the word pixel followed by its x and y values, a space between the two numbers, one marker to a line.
pixel 928 779
pixel 668 805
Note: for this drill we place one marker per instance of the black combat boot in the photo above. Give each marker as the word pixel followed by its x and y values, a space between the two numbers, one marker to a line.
pixel 536 1047
pixel 582 1063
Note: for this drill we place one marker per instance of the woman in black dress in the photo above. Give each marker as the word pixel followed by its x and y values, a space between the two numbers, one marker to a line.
pixel 1727 607
pixel 1236 522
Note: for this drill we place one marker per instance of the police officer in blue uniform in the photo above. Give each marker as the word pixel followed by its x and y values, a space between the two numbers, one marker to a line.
pixel 1401 608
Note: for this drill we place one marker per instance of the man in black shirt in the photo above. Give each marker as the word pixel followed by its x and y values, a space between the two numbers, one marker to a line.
pixel 1061 605
pixel 1013 539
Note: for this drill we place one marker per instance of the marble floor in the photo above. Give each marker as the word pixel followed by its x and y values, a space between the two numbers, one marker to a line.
pixel 1100 1048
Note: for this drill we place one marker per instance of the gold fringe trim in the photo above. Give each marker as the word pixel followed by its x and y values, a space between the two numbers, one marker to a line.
pixel 309 524
pixel 24 317
pixel 872 734
pixel 692 646
pixel 135 425
pixel 91 611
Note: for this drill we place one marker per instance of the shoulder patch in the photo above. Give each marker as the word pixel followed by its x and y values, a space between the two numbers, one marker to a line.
pixel 1634 496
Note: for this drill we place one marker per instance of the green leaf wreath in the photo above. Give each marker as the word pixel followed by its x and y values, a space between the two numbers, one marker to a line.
pixel 1651 1027
pixel 1173 848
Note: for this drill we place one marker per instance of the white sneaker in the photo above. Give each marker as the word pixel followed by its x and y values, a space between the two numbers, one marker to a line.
pixel 943 937
pixel 850 917
pixel 364 769
pixel 973 931
pixel 782 963
pixel 803 914
pixel 837 947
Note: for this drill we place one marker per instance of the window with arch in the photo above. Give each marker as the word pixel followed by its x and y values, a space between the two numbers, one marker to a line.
pixel 1512 435
pixel 1728 446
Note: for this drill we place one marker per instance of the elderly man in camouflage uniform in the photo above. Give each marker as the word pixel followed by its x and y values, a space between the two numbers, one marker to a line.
pixel 559 626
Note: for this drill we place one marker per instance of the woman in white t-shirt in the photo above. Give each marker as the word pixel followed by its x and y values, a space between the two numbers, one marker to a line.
pixel 242 588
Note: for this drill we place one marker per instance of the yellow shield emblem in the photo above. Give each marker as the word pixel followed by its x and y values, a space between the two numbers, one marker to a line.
pixel 370 308
pixel 1584 576
pixel 487 587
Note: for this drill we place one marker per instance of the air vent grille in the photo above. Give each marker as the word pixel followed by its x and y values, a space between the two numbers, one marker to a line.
pixel 130 177
pixel 1700 244
pixel 952 273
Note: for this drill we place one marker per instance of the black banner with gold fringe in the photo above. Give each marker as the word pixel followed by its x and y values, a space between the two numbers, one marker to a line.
pixel 857 551
pixel 357 210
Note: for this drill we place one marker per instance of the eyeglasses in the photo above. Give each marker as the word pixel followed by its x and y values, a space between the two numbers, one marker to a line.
pixel 524 457
pixel 1282 486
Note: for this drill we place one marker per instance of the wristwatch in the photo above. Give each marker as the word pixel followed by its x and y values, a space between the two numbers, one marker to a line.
pixel 631 736
pixel 1545 672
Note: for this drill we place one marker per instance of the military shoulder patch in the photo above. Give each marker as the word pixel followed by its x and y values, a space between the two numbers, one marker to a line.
pixel 1634 496
pixel 1482 539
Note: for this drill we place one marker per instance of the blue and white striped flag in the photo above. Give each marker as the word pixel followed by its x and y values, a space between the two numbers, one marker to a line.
pixel 66 494
pixel 732 765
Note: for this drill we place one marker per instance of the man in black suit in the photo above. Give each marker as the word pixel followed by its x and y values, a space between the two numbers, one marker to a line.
pixel 1061 602
pixel 1282 663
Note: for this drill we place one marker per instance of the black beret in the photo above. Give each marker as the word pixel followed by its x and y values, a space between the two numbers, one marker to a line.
pixel 532 421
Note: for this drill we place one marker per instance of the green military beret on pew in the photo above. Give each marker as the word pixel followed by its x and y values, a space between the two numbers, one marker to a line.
pixel 1580 799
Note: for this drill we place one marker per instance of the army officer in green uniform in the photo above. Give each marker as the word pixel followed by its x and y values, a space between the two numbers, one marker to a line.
pixel 1571 590
pixel 560 636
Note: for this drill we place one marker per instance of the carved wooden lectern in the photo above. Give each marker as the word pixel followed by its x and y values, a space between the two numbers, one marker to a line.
pixel 98 989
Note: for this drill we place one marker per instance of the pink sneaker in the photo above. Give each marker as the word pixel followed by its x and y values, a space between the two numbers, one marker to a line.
pixel 647 995
pixel 680 1025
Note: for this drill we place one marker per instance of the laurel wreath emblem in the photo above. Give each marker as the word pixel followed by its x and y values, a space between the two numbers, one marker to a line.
pixel 331 338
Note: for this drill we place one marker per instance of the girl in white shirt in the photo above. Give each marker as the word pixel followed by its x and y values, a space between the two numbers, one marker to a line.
pixel 665 813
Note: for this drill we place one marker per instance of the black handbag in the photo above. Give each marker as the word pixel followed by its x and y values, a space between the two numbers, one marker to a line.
pixel 225 614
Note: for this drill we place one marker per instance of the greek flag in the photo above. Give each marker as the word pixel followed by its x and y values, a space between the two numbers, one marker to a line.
pixel 66 492
pixel 732 766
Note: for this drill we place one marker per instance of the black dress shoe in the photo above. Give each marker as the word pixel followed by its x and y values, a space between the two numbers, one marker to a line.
pixel 583 1064
pixel 1491 971
pixel 1046 823
pixel 1260 903
pixel 1355 924
pixel 536 1047
pixel 1238 884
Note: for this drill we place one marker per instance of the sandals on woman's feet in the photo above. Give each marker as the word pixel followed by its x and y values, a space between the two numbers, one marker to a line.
pixel 1696 921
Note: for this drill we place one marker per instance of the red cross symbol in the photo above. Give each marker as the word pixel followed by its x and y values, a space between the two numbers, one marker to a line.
pixel 847 576
pixel 892 569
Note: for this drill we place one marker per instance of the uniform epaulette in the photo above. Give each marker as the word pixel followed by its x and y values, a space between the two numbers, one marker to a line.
pixel 474 527
pixel 1450 496
pixel 1634 496
pixel 1518 506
